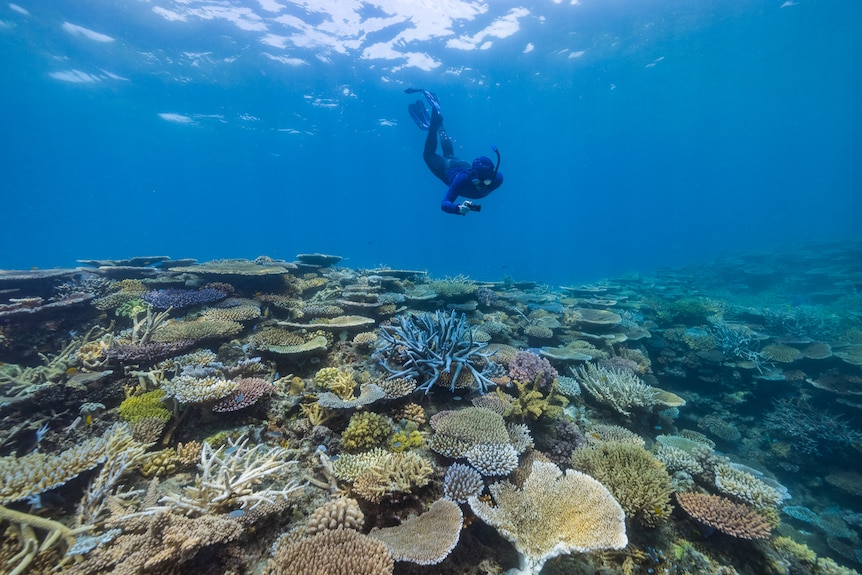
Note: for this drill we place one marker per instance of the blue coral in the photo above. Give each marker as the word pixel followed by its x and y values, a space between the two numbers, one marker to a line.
pixel 180 298
pixel 425 346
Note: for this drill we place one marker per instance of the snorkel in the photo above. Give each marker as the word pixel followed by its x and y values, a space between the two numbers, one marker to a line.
pixel 486 165
pixel 497 167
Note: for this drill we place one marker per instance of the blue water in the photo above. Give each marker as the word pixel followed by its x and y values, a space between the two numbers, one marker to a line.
pixel 633 134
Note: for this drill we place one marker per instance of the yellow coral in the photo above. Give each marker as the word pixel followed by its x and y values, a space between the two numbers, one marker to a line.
pixel 146 405
pixel 402 441
pixel 532 403
pixel 339 381
pixel 365 429
pixel 637 479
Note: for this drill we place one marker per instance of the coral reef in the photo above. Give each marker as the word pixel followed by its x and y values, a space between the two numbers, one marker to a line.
pixel 334 552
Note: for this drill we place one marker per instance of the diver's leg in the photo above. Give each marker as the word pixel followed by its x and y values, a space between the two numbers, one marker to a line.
pixel 435 162
pixel 446 145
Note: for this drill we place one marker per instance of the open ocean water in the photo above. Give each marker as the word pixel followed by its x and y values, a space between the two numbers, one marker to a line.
pixel 221 250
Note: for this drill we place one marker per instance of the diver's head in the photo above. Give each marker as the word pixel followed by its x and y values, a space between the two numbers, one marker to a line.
pixel 483 171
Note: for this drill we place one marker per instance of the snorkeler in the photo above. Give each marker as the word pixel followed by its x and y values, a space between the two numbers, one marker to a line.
pixel 465 180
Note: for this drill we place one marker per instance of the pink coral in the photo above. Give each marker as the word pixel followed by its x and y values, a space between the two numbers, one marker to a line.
pixel 527 366
pixel 249 391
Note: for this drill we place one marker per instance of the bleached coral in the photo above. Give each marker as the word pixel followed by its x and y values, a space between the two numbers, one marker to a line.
pixel 553 514
pixel 229 478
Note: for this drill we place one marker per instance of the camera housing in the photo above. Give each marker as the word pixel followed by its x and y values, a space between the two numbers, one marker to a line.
pixel 474 207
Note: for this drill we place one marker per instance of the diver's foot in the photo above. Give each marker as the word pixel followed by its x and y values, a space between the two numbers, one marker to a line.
pixel 436 120
pixel 419 115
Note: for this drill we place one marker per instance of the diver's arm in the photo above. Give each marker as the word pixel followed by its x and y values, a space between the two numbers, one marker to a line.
pixel 448 204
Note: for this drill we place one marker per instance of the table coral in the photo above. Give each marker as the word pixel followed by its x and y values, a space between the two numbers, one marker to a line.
pixel 427 539
pixel 553 514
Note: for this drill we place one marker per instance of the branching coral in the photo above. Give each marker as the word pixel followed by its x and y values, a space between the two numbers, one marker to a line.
pixel 621 390
pixel 228 478
pixel 427 346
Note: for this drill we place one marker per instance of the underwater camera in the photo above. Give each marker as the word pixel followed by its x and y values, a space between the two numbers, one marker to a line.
pixel 474 207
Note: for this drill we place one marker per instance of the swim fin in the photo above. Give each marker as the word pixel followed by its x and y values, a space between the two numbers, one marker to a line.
pixel 430 96
pixel 419 114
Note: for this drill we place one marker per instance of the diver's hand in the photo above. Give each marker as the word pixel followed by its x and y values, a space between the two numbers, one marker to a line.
pixel 465 207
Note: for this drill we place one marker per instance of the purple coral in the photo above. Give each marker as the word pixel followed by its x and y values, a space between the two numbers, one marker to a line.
pixel 179 298
pixel 527 367
pixel 249 391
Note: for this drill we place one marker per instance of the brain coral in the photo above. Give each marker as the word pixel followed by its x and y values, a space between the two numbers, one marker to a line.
pixel 638 480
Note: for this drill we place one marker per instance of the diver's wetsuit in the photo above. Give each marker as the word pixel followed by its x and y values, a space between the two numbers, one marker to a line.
pixel 453 172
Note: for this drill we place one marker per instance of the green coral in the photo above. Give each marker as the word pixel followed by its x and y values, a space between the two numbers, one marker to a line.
pixel 365 429
pixel 402 441
pixel 534 404
pixel 638 481
pixel 688 310
pixel 145 405
pixel 131 308
pixel 454 288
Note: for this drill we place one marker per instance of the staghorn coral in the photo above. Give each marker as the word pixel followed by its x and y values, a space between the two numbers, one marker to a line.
pixel 33 474
pixel 396 473
pixel 638 481
pixel 553 514
pixel 342 512
pixel 335 552
pixel 621 390
pixel 428 346
pixel 36 472
pixel 724 515
pixel 427 539
pixel 377 473
pixel 230 477
pixel 365 429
